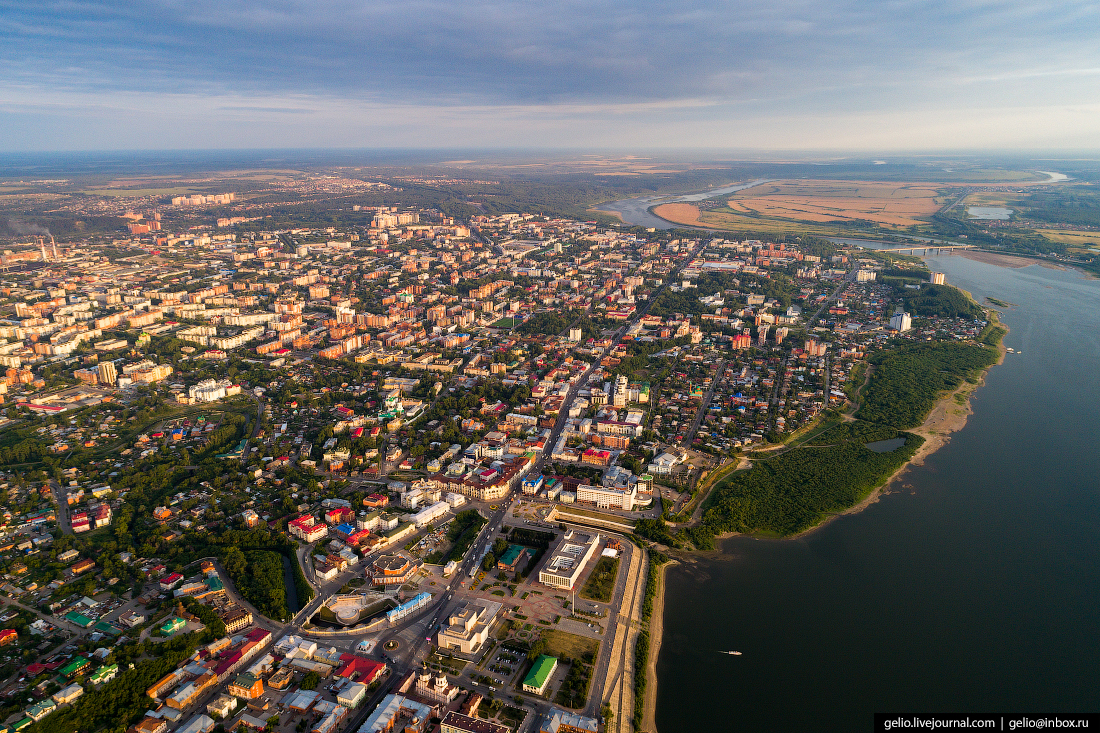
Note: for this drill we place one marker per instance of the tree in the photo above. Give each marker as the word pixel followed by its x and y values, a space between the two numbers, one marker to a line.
pixel 489 562
pixel 310 681
pixel 235 562
pixel 538 648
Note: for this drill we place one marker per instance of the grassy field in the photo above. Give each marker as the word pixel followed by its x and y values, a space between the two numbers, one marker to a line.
pixel 601 582
pixel 991 198
pixel 679 213
pixel 759 225
pixel 562 644
pixel 1081 240
pixel 889 204
pixel 811 206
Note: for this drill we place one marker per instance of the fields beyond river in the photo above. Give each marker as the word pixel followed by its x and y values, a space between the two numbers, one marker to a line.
pixel 888 204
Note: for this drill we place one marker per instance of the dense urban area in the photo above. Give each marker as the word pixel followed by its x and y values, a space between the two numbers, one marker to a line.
pixel 416 470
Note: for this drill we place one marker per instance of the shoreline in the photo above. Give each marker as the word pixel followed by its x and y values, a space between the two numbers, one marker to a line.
pixel 946 417
pixel 1011 261
pixel 656 638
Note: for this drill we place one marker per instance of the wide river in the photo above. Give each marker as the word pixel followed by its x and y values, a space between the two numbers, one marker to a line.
pixel 974 586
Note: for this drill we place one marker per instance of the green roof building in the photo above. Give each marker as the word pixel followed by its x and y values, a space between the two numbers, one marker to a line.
pixel 20 725
pixel 539 677
pixel 215 584
pixel 75 667
pixel 79 619
pixel 512 557
pixel 104 674
pixel 172 625
pixel 107 628
pixel 41 709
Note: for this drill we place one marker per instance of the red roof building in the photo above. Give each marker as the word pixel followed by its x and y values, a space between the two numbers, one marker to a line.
pixel 360 668
pixel 169 582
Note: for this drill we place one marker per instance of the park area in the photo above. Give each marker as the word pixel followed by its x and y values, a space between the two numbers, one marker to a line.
pixel 601 581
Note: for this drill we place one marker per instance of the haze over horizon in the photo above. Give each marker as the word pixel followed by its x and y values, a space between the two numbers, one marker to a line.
pixel 792 75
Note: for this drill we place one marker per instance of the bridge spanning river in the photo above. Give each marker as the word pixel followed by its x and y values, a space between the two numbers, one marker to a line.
pixel 926 249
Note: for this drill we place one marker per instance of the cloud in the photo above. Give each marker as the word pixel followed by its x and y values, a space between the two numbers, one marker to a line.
pixel 482 60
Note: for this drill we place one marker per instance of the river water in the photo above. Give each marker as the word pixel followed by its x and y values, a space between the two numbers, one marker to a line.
pixel 974 586
pixel 636 210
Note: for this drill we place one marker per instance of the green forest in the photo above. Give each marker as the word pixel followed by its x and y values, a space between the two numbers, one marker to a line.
pixel 547 323
pixel 258 574
pixel 793 492
pixel 1079 206
pixel 122 702
pixel 905 381
pixel 942 301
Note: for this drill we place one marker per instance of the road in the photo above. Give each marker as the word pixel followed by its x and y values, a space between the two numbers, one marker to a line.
pixel 444 597
pixel 60 497
pixel 629 599
pixel 259 417
pixel 690 434
pixel 52 620
pixel 849 278
pixel 563 414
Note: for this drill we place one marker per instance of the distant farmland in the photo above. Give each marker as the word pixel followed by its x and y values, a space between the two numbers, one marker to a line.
pixel 776 205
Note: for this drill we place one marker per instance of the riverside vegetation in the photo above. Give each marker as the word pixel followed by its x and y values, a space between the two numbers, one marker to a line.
pixel 794 491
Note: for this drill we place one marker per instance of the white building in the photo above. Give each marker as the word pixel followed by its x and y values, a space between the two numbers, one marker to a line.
pixel 663 464
pixel 468 627
pixel 608 497
pixel 621 394
pixel 352 695
pixel 568 559
pixel 430 514
pixel 901 322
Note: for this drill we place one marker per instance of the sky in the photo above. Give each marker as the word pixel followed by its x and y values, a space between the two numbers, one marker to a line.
pixel 888 75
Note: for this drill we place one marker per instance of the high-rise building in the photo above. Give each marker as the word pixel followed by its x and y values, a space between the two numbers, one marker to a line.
pixel 901 322
pixel 619 397
pixel 937 278
pixel 107 373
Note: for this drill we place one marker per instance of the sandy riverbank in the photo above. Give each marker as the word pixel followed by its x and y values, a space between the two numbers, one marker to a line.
pixel 948 415
pixel 1010 261
pixel 615 214
pixel 656 632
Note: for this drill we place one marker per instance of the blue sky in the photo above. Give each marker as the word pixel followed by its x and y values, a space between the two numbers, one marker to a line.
pixel 787 74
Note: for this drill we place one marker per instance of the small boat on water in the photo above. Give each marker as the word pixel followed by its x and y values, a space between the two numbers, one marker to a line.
pixel 736 654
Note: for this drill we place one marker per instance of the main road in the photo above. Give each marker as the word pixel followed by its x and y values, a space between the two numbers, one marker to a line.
pixel 563 414
pixel 443 597
pixel 690 434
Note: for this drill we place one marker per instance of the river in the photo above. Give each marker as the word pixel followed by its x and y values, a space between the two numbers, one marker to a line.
pixel 974 586
pixel 636 210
